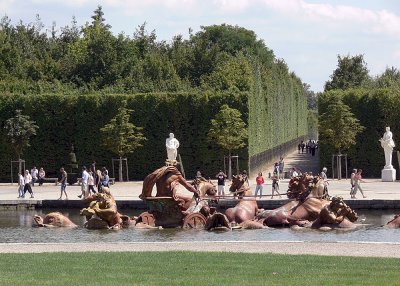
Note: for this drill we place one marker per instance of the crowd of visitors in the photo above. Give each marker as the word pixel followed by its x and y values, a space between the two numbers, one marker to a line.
pixel 308 147
pixel 90 181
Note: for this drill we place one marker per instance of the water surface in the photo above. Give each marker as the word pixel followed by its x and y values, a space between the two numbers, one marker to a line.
pixel 16 227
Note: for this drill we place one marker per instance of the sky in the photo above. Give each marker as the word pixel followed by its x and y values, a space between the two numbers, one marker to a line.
pixel 307 34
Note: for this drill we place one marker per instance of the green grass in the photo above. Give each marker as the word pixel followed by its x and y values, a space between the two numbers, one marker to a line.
pixel 193 268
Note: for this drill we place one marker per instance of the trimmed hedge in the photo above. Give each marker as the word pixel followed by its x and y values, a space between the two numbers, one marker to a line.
pixel 65 120
pixel 277 115
pixel 375 109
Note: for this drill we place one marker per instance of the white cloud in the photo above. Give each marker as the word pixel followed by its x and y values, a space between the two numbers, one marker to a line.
pixel 140 6
pixel 381 21
pixel 71 3
pixel 236 6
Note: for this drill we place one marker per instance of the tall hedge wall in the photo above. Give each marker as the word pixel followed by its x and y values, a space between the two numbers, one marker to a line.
pixel 74 119
pixel 277 115
pixel 375 109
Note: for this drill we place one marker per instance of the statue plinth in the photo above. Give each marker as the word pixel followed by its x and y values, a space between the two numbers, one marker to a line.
pixel 388 174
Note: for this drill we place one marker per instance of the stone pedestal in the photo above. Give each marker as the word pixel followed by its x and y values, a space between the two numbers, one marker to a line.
pixel 388 174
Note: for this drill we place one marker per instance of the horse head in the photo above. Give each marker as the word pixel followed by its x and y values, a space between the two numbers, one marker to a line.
pixel 204 187
pixel 342 209
pixel 240 185
pixel 299 187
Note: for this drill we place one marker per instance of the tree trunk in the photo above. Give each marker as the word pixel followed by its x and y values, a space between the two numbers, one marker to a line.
pixel 339 165
pixel 121 179
pixel 20 165
pixel 230 166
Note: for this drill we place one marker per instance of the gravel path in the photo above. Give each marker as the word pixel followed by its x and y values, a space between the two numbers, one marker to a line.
pixel 329 249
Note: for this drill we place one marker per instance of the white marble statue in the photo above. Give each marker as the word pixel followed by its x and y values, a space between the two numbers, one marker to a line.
pixel 387 144
pixel 172 145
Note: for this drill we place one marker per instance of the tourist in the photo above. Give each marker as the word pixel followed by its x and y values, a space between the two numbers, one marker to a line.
pixel 221 183
pixel 281 167
pixel 275 185
pixel 245 177
pixel 259 186
pixel 21 185
pixel 91 183
pixel 299 147
pixel 294 173
pixel 302 146
pixel 313 146
pixel 105 179
pixel 325 178
pixel 357 183
pixel 352 182
pixel 276 168
pixel 63 182
pixel 98 179
pixel 27 186
pixel 41 176
pixel 34 175
pixel 84 183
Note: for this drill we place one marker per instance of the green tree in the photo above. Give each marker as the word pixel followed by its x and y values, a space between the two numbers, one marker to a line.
pixel 339 128
pixel 390 78
pixel 20 129
pixel 350 72
pixel 229 131
pixel 121 136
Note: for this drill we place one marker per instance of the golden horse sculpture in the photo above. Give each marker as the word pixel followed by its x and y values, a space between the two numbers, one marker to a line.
pixel 336 215
pixel 308 198
pixel 53 219
pixel 240 216
pixel 167 180
pixel 171 209
pixel 102 213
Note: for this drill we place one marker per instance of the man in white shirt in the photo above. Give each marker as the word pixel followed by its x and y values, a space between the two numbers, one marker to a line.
pixel 34 175
pixel 294 173
pixel 21 185
pixel 84 183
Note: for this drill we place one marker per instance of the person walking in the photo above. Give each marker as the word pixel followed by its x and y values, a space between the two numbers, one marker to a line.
pixel 221 183
pixel 352 182
pixel 63 182
pixel 326 183
pixel 281 167
pixel 91 183
pixel 275 185
pixel 84 183
pixel 259 186
pixel 276 168
pixel 21 185
pixel 357 183
pixel 34 175
pixel 27 186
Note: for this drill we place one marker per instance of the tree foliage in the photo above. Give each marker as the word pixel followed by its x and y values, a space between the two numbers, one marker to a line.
pixel 351 72
pixel 19 130
pixel 121 136
pixel 338 126
pixel 67 64
pixel 228 129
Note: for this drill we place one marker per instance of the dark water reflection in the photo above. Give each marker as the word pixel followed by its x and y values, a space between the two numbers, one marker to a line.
pixel 15 227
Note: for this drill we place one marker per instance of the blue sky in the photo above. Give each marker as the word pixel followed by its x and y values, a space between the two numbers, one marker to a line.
pixel 307 34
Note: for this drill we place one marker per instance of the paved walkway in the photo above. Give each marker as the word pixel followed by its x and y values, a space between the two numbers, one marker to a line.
pixel 374 189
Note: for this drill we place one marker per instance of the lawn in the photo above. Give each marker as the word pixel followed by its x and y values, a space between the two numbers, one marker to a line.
pixel 194 268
